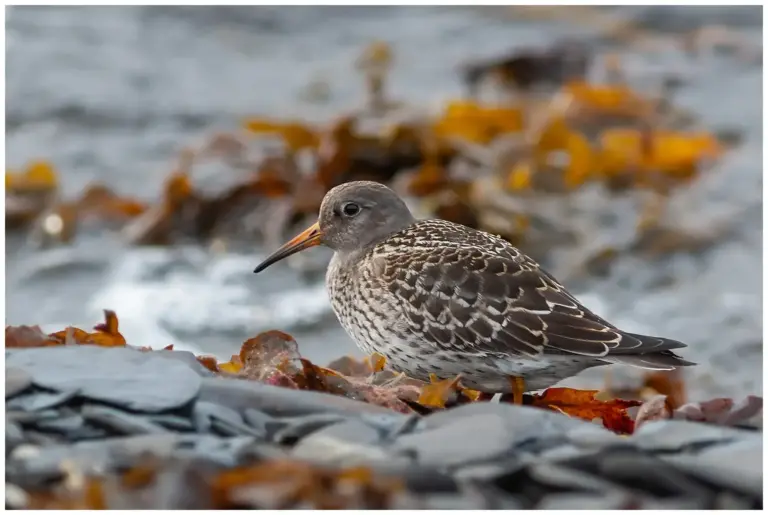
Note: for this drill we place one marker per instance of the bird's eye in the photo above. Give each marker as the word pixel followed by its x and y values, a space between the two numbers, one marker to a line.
pixel 350 209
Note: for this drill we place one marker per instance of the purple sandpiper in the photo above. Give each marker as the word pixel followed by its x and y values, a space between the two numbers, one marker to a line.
pixel 435 297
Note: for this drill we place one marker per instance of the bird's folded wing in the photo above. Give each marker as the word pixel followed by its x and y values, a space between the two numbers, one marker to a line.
pixel 476 301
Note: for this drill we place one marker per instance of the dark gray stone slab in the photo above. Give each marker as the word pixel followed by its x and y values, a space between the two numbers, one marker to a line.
pixel 289 430
pixel 524 420
pixel 14 435
pixel 636 470
pixel 279 402
pixel 38 400
pixel 737 465
pixel 211 417
pixel 479 432
pixel 140 381
pixel 173 422
pixel 400 426
pixel 257 419
pixel 98 456
pixel 16 381
pixel 120 422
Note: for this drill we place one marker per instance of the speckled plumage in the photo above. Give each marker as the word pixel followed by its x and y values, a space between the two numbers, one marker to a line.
pixel 437 297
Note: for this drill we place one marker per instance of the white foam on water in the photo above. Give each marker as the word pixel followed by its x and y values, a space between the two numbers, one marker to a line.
pixel 198 294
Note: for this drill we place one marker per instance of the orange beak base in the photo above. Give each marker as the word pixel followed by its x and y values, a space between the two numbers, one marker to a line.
pixel 309 238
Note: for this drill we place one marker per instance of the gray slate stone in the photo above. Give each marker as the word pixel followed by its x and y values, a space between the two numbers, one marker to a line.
pixel 674 435
pixel 38 400
pixel 479 432
pixel 211 417
pixel 465 440
pixel 279 402
pixel 16 381
pixel 289 430
pixel 120 422
pixel 330 451
pixel 352 431
pixel 139 381
pixel 737 465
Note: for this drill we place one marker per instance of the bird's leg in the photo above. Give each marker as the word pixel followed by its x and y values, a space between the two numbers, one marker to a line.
pixel 518 388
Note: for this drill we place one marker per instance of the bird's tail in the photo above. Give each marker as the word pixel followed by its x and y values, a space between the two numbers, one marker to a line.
pixel 662 360
pixel 653 353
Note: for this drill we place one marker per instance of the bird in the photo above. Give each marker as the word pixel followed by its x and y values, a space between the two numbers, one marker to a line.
pixel 439 299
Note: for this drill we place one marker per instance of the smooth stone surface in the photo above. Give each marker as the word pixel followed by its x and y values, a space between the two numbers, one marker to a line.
pixel 186 357
pixel 289 430
pixel 16 381
pixel 402 426
pixel 257 419
pixel 351 431
pixel 672 435
pixel 228 422
pixel 524 420
pixel 568 478
pixel 14 435
pixel 280 402
pixel 465 440
pixel 737 465
pixel 136 380
pixel 120 422
pixel 65 424
pixel 585 501
pixel 173 422
pixel 635 470
pixel 329 451
pixel 591 436
pixel 39 400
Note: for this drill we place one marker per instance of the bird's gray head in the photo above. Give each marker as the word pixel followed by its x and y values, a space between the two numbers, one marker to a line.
pixel 353 216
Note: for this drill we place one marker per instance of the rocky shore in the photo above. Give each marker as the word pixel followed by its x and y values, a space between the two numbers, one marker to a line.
pixel 97 427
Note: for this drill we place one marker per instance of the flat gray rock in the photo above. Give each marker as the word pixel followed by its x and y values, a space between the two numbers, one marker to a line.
pixel 289 430
pixel 38 400
pixel 16 381
pixel 139 381
pixel 352 431
pixel 279 402
pixel 225 421
pixel 674 435
pixel 465 440
pixel 737 465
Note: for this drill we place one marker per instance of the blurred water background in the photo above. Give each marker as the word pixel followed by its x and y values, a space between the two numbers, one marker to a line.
pixel 114 93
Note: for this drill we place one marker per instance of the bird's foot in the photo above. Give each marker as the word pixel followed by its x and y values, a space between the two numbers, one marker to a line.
pixel 518 388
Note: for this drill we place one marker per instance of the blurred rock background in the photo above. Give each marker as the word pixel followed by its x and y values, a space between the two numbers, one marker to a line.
pixel 115 94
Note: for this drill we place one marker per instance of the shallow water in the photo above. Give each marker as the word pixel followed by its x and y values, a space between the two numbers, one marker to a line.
pixel 113 93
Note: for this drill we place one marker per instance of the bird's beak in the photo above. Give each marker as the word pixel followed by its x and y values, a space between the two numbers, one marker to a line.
pixel 309 238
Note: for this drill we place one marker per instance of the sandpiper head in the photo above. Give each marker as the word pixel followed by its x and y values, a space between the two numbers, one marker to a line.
pixel 352 216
